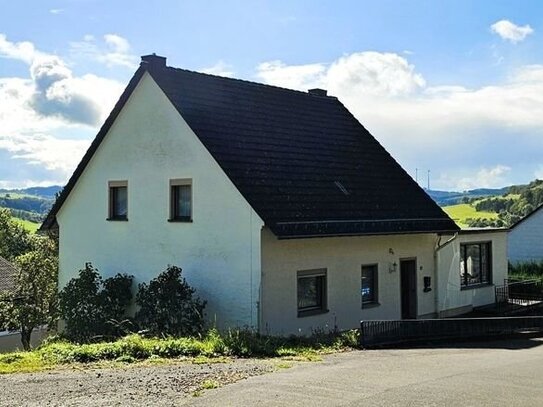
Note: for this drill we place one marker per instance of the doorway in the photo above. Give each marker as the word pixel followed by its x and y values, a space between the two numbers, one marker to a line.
pixel 408 287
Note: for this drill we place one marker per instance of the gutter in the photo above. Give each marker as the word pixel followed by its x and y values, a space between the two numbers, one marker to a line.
pixel 438 246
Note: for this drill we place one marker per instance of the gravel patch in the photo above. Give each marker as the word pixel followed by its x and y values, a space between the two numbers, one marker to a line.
pixel 162 385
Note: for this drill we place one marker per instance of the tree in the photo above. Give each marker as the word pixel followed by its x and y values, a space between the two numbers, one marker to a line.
pixel 168 305
pixel 92 307
pixel 15 240
pixel 33 302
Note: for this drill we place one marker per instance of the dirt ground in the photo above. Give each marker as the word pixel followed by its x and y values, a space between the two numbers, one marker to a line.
pixel 161 385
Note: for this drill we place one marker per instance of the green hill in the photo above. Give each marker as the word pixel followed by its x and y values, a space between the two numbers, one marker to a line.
pixel 498 211
pixel 463 214
pixel 30 205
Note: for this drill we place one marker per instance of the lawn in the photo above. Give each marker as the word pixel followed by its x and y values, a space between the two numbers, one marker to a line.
pixel 30 226
pixel 462 212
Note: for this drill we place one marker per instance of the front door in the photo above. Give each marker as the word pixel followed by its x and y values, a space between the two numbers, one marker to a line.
pixel 408 277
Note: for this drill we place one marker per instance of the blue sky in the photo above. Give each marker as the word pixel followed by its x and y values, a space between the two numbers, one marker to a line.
pixel 451 86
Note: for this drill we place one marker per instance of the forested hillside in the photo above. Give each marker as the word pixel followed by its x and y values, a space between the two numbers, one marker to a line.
pixel 31 204
pixel 499 211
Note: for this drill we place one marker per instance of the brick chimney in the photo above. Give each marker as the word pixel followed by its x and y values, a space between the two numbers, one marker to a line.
pixel 318 92
pixel 153 61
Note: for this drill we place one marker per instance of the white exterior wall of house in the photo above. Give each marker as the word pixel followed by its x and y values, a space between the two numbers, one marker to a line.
pixel 343 258
pixel 526 239
pixel 452 300
pixel 219 252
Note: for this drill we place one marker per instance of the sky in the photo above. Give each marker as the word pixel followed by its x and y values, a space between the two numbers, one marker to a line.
pixel 450 87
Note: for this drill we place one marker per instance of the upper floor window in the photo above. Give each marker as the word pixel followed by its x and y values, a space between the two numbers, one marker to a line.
pixel 475 264
pixel 181 200
pixel 118 200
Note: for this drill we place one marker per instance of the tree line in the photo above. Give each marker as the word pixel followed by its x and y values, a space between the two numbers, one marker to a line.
pixel 510 210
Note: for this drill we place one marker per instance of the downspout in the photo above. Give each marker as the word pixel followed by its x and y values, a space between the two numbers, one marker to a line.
pixel 439 246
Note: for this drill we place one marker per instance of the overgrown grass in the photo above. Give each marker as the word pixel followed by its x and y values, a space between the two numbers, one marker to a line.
pixel 133 348
pixel 526 270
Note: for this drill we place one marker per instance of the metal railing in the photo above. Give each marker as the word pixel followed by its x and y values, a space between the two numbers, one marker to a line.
pixel 519 296
pixel 396 331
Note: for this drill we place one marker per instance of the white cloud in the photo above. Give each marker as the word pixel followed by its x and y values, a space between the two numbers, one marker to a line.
pixel 220 69
pixel 510 31
pixel 494 177
pixel 45 150
pixel 22 51
pixel 50 101
pixel 378 74
pixel 56 10
pixel 114 50
pixel 301 77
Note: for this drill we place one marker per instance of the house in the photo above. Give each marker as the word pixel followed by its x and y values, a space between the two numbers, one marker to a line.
pixel 469 265
pixel 284 212
pixel 526 238
pixel 8 273
pixel 11 341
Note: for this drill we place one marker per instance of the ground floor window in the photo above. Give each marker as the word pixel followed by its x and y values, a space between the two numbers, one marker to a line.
pixel 369 284
pixel 475 264
pixel 311 292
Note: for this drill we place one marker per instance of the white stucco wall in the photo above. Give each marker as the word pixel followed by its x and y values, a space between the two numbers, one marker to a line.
pixel 452 299
pixel 525 241
pixel 148 145
pixel 343 258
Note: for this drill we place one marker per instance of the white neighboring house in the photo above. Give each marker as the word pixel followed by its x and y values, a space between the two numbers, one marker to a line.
pixel 284 212
pixel 526 238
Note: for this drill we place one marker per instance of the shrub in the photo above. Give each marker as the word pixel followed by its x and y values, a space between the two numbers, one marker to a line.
pixel 93 307
pixel 168 305
pixel 526 270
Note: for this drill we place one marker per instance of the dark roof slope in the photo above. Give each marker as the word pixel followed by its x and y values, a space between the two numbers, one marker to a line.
pixel 302 161
pixel 8 272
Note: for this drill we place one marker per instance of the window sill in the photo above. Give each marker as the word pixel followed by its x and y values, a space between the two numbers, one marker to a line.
pixel 117 219
pixel 370 305
pixel 180 220
pixel 311 312
pixel 475 286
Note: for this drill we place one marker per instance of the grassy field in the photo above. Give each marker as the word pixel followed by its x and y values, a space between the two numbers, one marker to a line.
pixel 462 212
pixel 30 226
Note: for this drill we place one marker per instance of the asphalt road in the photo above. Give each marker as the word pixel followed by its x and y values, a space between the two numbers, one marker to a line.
pixel 501 373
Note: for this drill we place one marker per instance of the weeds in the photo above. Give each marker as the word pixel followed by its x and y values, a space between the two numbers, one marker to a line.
pixel 213 346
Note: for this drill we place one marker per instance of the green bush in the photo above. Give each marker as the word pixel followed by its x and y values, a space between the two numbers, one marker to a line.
pixel 168 306
pixel 92 307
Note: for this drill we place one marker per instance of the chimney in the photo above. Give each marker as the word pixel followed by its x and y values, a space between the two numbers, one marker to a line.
pixel 153 61
pixel 318 92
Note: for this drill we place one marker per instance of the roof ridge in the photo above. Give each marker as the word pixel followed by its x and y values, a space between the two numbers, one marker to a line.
pixel 246 81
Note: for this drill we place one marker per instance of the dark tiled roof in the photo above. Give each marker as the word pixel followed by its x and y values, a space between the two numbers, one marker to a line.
pixel 8 273
pixel 302 161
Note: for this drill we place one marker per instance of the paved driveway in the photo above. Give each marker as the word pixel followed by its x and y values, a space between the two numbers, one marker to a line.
pixel 504 373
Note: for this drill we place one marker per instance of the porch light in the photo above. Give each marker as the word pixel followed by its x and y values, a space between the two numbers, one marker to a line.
pixel 392 267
